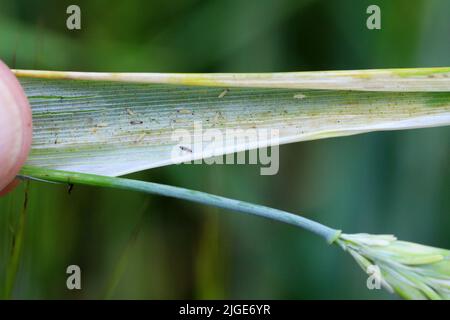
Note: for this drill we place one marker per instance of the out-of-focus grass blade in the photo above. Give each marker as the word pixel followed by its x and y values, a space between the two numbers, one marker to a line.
pixel 113 124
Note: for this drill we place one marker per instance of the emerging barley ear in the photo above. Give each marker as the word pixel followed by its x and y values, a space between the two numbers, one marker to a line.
pixel 411 270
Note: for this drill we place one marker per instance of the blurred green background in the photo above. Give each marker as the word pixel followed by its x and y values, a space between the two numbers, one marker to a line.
pixel 134 246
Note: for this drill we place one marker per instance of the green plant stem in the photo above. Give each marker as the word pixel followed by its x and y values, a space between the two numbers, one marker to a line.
pixel 327 233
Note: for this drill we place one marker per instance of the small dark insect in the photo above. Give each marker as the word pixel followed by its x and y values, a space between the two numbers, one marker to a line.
pixel 184 111
pixel 69 190
pixel 186 149
pixel 136 122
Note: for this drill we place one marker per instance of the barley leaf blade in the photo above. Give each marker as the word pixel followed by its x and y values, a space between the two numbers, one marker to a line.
pixel 115 127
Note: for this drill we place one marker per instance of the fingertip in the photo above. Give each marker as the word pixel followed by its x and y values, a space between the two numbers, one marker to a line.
pixel 15 128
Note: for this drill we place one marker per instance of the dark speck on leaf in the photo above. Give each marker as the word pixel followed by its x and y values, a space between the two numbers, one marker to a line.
pixel 186 149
